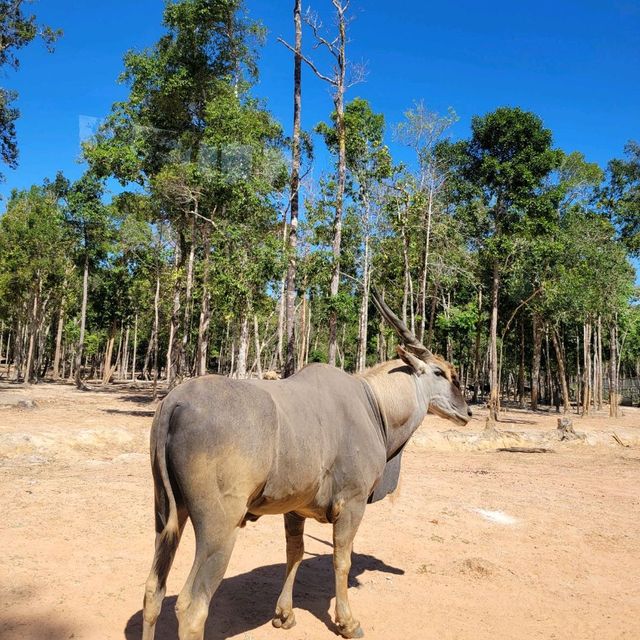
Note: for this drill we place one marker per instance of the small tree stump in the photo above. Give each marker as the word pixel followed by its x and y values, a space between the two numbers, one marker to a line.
pixel 566 431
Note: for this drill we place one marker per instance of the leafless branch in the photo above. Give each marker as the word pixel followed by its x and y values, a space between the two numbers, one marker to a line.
pixel 310 63
pixel 515 312
pixel 358 74
pixel 341 7
pixel 313 21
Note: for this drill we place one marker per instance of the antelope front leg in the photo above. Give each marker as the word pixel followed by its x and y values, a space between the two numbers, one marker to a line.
pixel 344 530
pixel 294 529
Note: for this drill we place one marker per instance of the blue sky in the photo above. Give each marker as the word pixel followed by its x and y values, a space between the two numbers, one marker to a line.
pixel 574 63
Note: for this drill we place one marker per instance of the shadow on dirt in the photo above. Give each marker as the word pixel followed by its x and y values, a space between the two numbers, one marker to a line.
pixel 510 420
pixel 32 625
pixel 141 398
pixel 141 413
pixel 34 628
pixel 247 601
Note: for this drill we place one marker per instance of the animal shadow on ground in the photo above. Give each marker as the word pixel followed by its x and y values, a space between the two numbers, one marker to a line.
pixel 247 601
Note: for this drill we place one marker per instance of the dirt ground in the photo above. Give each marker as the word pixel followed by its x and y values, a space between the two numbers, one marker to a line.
pixel 478 544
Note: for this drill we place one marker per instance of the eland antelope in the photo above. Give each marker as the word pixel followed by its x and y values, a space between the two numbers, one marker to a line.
pixel 320 444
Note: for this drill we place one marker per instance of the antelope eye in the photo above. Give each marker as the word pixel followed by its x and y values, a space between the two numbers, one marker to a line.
pixel 439 372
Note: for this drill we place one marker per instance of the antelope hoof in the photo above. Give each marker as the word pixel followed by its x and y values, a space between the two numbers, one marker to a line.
pixel 283 619
pixel 351 630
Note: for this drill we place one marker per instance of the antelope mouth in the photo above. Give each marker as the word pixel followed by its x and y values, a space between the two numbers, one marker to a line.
pixel 460 419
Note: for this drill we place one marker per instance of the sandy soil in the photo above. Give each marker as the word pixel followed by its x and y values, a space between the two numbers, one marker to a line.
pixel 479 544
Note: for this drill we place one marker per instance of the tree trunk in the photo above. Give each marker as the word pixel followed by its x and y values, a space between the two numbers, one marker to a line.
pixel 243 348
pixel 135 349
pixel 303 331
pixel 205 312
pixel 290 360
pixel 535 363
pixel 106 369
pixel 521 367
pixel 477 362
pixel 119 354
pixel 307 341
pixel 203 332
pixel 562 373
pixel 154 337
pixel 58 353
pixel 183 362
pixel 447 310
pixel 494 396
pixel 123 370
pixel 548 373
pixel 363 316
pixel 578 375
pixel 425 266
pixel 338 100
pixel 224 348
pixel 174 345
pixel 258 346
pixel 432 314
pixel 614 399
pixel 408 316
pixel 32 324
pixel 18 350
pixel 83 320
pixel 600 395
pixel 8 352
pixel 586 381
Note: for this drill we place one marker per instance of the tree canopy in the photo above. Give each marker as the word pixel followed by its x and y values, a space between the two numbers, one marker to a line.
pixel 508 255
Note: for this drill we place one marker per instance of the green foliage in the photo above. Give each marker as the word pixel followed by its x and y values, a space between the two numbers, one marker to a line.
pixel 367 156
pixel 17 30
pixel 588 272
pixel 498 173
pixel 202 162
pixel 34 247
pixel 620 197
pixel 89 220
pixel 206 53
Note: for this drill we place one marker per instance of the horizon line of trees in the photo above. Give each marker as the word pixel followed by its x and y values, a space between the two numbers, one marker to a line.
pixel 506 255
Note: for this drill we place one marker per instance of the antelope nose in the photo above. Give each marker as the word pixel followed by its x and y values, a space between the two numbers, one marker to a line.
pixel 469 413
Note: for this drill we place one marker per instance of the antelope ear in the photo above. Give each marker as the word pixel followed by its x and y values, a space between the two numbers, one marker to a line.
pixel 415 363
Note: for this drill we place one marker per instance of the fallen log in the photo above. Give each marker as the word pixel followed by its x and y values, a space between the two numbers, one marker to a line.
pixel 525 450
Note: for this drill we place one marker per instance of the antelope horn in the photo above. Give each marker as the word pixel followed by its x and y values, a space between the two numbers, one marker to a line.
pixel 407 337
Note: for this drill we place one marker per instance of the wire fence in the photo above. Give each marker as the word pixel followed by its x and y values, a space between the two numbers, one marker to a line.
pixel 629 390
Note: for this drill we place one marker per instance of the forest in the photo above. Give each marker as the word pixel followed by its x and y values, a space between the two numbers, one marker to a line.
pixel 200 239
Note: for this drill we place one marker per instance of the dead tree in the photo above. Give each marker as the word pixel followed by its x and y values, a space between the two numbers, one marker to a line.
pixel 336 48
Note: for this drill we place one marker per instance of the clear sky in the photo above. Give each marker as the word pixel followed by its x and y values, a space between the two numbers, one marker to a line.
pixel 576 63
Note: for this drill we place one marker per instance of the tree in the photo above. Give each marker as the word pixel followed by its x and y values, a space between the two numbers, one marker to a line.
pixel 206 150
pixel 17 30
pixel 336 48
pixel 422 130
pixel 290 364
pixel 499 172
pixel 34 247
pixel 90 223
pixel 368 163
pixel 620 197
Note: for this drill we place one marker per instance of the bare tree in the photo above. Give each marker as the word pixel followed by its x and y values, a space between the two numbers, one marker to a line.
pixel 422 130
pixel 290 364
pixel 336 48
